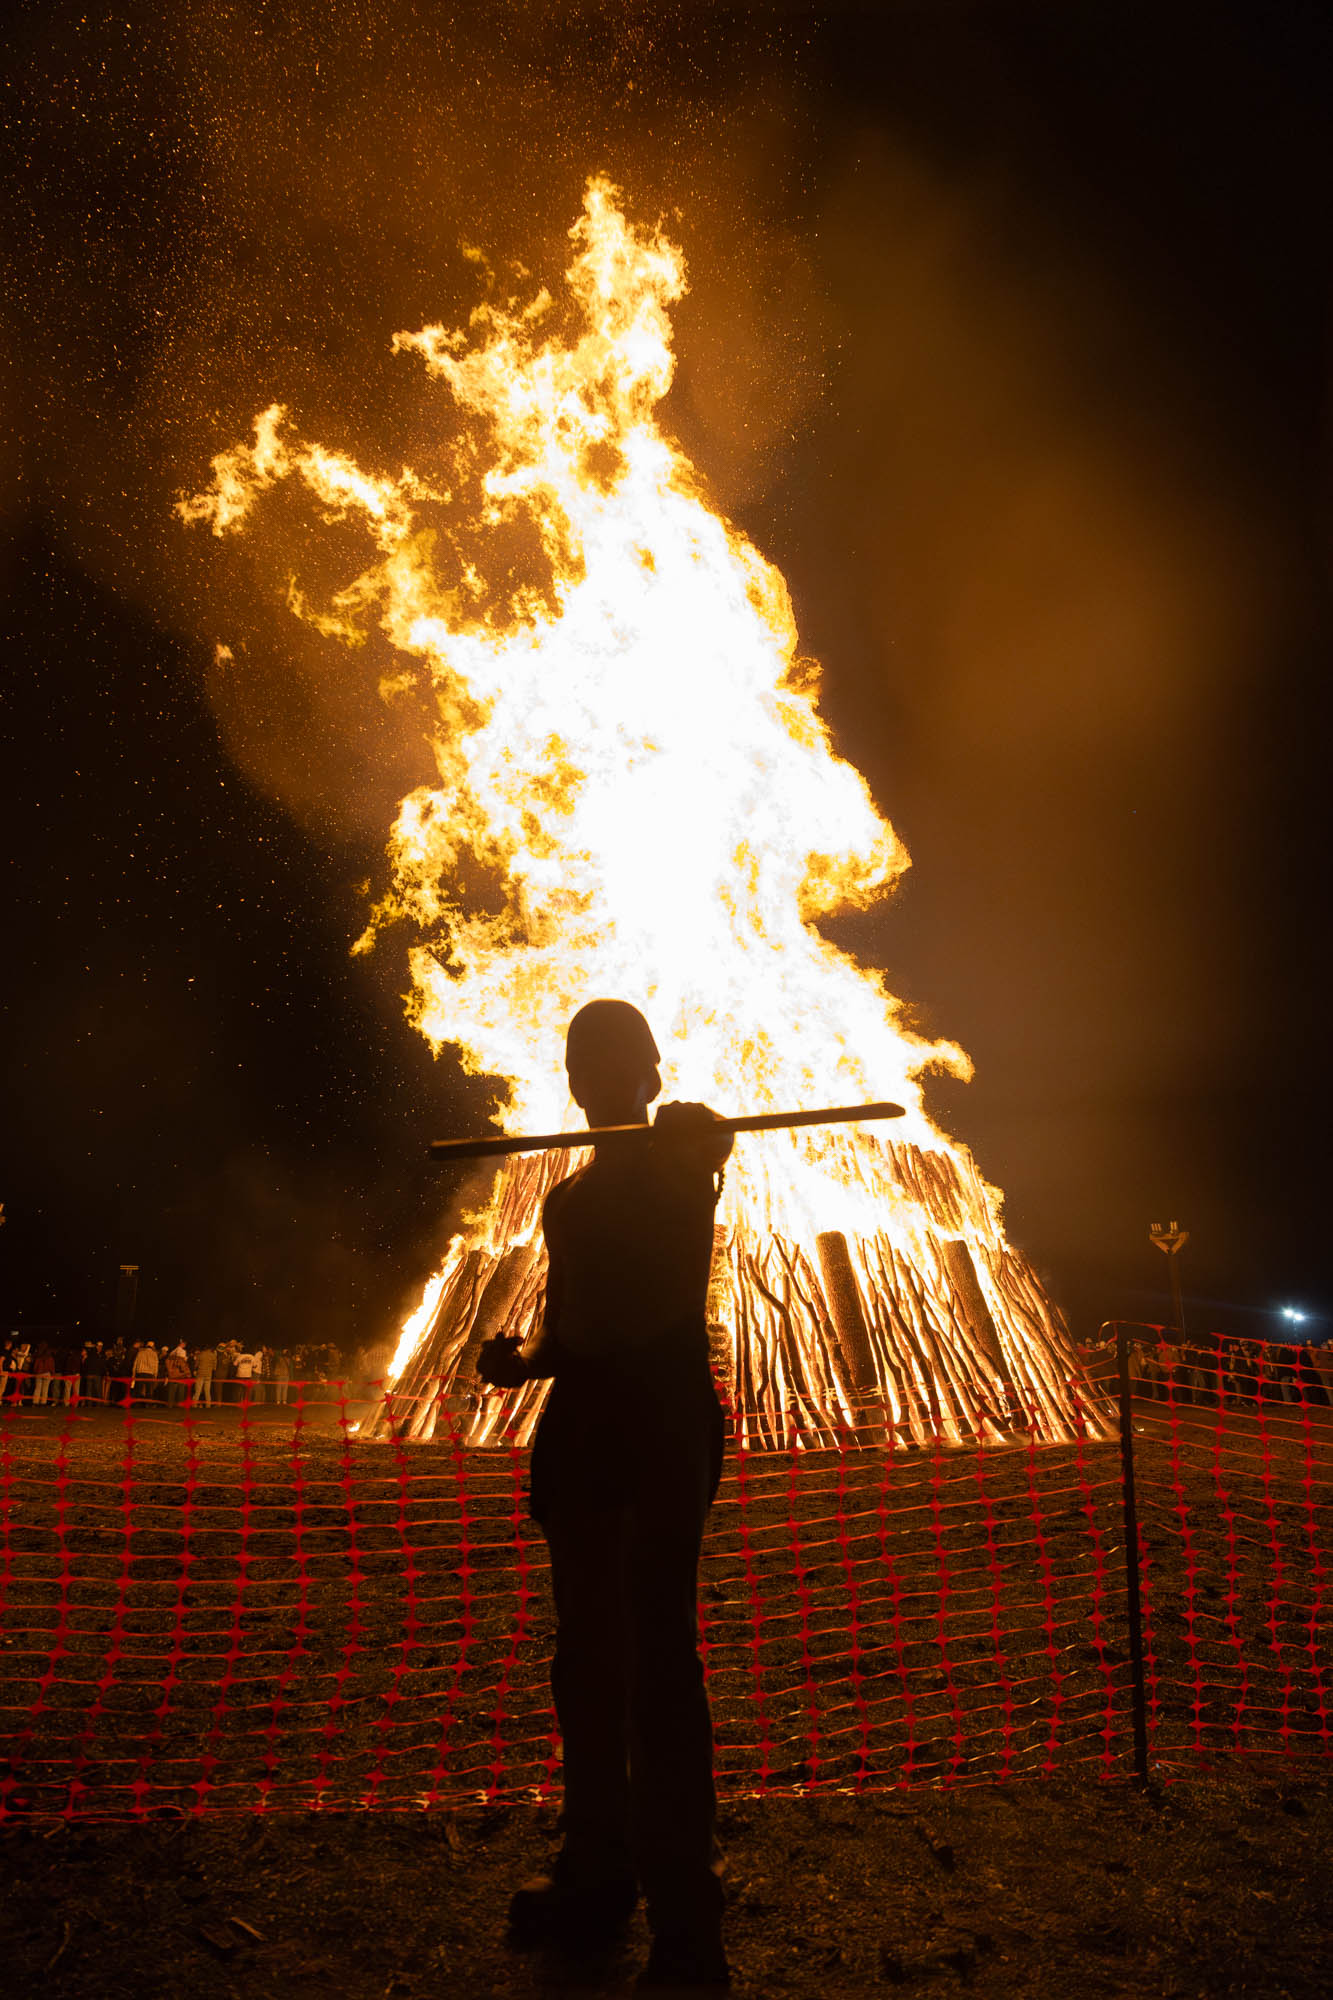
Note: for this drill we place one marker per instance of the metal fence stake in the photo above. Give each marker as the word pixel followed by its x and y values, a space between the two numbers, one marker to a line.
pixel 1131 1518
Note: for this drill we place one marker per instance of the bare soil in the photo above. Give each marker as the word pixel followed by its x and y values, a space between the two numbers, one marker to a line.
pixel 955 1618
pixel 1218 1887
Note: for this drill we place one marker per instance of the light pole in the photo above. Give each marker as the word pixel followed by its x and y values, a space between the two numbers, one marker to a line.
pixel 1171 1240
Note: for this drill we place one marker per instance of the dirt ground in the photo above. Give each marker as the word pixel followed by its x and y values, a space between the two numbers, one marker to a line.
pixel 1217 1886
pixel 1213 1884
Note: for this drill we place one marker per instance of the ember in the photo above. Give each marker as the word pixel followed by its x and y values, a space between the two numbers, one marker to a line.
pixel 635 782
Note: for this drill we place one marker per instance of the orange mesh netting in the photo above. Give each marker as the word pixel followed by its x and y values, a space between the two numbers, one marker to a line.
pixel 256 1607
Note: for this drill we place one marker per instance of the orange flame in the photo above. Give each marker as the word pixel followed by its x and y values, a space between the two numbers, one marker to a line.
pixel 632 775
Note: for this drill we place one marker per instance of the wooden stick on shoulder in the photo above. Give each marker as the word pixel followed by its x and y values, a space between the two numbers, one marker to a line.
pixel 494 1145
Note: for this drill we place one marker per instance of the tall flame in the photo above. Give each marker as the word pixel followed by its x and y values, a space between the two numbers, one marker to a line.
pixel 634 790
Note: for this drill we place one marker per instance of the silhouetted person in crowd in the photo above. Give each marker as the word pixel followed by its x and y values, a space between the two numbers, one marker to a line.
pixel 93 1368
pixel 65 1368
pixel 43 1369
pixel 1282 1384
pixel 178 1374
pixel 1247 1369
pixel 205 1361
pixel 144 1370
pixel 1309 1378
pixel 20 1362
pixel 1321 1363
pixel 223 1372
pixel 625 1465
pixel 117 1368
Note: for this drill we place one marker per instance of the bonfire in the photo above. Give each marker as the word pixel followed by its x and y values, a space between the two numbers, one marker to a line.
pixel 632 792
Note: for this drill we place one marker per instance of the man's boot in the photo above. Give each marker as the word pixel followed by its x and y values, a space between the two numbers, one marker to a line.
pixel 690 1961
pixel 688 1953
pixel 575 1916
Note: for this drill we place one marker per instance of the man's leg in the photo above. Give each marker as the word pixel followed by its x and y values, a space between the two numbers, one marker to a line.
pixel 588 1681
pixel 671 1731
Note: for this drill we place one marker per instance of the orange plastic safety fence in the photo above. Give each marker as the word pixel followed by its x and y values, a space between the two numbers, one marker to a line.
pixel 256 1606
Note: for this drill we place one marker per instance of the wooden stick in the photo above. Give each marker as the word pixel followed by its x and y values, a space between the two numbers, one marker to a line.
pixel 550 1142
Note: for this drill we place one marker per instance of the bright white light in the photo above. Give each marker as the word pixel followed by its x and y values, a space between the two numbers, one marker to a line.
pixel 1292 1313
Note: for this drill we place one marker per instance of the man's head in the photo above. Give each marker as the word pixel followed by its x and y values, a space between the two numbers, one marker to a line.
pixel 612 1062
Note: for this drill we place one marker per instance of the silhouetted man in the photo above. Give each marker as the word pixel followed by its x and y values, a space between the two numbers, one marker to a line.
pixel 625 1465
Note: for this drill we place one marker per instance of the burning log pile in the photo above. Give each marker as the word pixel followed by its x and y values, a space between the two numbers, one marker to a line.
pixel 813 1334
pixel 629 789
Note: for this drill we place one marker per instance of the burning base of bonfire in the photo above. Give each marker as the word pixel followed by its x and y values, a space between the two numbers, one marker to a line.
pixel 633 792
pixel 943 1324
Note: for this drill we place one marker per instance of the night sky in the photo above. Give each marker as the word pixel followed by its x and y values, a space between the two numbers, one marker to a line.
pixel 1007 340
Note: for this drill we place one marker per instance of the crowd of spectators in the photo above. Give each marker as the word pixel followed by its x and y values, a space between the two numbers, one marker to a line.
pixel 1193 1371
pixel 46 1370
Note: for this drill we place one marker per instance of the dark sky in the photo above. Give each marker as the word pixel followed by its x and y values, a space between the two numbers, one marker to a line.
pixel 1007 340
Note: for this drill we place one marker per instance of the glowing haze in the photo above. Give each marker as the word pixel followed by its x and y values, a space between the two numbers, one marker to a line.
pixel 633 792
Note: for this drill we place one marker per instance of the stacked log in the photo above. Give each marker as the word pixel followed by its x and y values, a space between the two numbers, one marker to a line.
pixel 936 1330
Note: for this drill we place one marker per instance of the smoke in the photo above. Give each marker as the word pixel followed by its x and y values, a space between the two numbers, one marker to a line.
pixel 254 211
pixel 1065 596
pixel 210 210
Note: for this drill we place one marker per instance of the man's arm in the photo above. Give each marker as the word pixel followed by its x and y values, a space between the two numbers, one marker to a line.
pixel 502 1364
pixel 541 1360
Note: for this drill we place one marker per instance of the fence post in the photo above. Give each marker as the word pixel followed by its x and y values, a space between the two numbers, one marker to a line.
pixel 1131 1518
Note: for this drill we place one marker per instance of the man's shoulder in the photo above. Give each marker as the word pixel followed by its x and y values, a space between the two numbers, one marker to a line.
pixel 561 1192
